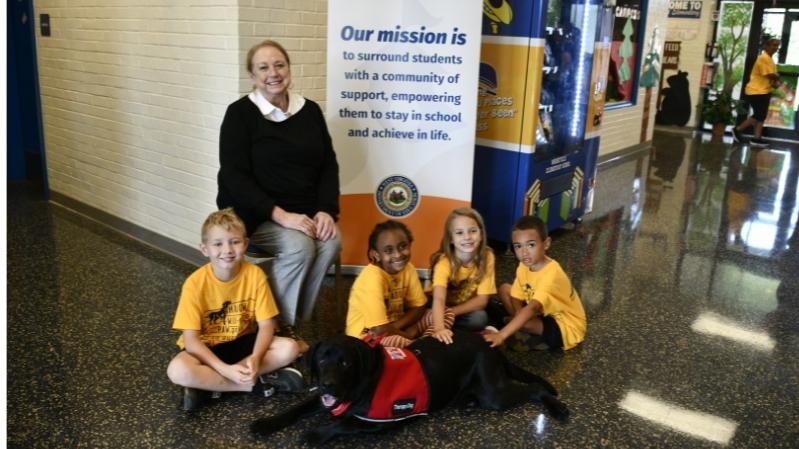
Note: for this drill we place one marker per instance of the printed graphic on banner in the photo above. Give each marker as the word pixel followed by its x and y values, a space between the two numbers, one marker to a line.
pixel 401 104
pixel 397 196
pixel 599 83
pixel 504 88
pixel 510 18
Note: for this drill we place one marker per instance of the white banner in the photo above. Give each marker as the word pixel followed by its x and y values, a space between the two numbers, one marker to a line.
pixel 401 108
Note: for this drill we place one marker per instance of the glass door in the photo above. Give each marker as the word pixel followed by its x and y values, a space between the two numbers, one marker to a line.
pixel 778 19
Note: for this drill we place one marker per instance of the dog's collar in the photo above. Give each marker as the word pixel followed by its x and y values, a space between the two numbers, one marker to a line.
pixel 341 408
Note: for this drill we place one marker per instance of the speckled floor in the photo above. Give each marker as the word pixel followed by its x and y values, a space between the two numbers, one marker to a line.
pixel 688 269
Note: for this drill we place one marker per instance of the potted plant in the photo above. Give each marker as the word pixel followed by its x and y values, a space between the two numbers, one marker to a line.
pixel 722 111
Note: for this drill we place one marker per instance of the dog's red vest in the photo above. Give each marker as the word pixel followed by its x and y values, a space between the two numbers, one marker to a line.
pixel 401 391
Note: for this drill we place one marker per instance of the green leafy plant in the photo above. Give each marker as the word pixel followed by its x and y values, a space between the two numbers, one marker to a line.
pixel 722 109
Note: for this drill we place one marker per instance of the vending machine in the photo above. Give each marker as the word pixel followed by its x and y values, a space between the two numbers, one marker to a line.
pixel 541 97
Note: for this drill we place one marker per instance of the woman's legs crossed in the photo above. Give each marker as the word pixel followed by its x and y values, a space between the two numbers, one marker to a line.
pixel 326 253
pixel 294 253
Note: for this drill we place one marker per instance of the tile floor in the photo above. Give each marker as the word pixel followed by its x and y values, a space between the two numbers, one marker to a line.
pixel 688 268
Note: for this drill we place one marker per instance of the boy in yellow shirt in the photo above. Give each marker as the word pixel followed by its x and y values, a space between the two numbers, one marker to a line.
pixel 541 300
pixel 226 315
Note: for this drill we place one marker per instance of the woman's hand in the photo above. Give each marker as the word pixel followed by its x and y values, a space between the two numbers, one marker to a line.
pixel 325 226
pixel 290 220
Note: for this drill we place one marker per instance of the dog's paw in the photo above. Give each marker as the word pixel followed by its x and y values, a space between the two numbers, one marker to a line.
pixel 557 409
pixel 262 427
pixel 314 437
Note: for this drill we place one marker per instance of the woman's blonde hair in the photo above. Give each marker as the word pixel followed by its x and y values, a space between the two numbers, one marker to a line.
pixel 266 43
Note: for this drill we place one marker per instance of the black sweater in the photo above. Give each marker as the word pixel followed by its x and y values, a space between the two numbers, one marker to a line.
pixel 263 164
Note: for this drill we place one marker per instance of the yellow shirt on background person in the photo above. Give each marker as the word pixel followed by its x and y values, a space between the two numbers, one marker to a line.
pixel 758 83
pixel 552 288
pixel 379 298
pixel 464 287
pixel 224 311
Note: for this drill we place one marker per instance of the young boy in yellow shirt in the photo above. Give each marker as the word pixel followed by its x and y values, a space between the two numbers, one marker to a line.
pixel 226 316
pixel 541 300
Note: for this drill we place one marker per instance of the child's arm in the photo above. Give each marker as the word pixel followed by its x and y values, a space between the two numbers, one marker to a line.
pixel 263 339
pixel 477 302
pixel 532 309
pixel 440 332
pixel 198 349
pixel 410 317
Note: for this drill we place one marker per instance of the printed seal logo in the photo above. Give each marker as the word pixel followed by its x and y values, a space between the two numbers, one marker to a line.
pixel 397 196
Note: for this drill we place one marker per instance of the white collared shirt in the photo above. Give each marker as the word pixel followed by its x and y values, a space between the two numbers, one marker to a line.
pixel 272 112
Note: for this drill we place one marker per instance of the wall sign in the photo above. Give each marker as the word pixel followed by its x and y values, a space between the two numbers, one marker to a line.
pixel 685 9
pixel 671 55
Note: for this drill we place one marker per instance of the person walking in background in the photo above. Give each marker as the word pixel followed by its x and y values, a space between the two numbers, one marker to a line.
pixel 279 172
pixel 762 79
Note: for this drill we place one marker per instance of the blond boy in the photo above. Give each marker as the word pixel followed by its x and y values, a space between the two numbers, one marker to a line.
pixel 226 317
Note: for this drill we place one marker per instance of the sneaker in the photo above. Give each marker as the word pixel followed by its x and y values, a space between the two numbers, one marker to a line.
pixel 262 389
pixel 489 330
pixel 518 342
pixel 524 342
pixel 288 331
pixel 287 380
pixel 193 398
pixel 737 136
pixel 758 142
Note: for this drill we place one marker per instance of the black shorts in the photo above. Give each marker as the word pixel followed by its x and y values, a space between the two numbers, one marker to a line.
pixel 759 105
pixel 551 335
pixel 234 351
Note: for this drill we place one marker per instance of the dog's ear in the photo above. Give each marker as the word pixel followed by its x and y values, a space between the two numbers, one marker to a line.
pixel 366 355
pixel 308 362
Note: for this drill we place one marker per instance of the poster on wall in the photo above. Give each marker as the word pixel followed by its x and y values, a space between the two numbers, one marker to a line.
pixel 732 34
pixel 624 51
pixel 782 105
pixel 685 9
pixel 401 109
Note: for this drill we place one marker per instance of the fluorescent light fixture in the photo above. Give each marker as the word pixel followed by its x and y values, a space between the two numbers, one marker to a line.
pixel 712 324
pixel 696 424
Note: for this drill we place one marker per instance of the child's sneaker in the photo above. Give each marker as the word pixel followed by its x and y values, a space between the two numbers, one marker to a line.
pixel 262 389
pixel 287 380
pixel 489 330
pixel 518 342
pixel 524 342
pixel 193 398
pixel 737 136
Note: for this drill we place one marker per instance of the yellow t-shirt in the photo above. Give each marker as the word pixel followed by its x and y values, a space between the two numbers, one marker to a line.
pixel 379 298
pixel 758 83
pixel 465 286
pixel 224 311
pixel 552 288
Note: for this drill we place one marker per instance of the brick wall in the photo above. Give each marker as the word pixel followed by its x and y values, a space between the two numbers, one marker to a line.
pixel 133 93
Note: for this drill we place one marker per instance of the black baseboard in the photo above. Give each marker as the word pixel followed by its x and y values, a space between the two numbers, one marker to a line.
pixel 134 231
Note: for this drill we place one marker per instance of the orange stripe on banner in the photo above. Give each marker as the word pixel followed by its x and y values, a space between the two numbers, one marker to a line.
pixel 359 215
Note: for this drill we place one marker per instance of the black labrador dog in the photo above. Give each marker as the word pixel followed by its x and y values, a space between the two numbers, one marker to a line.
pixel 369 389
